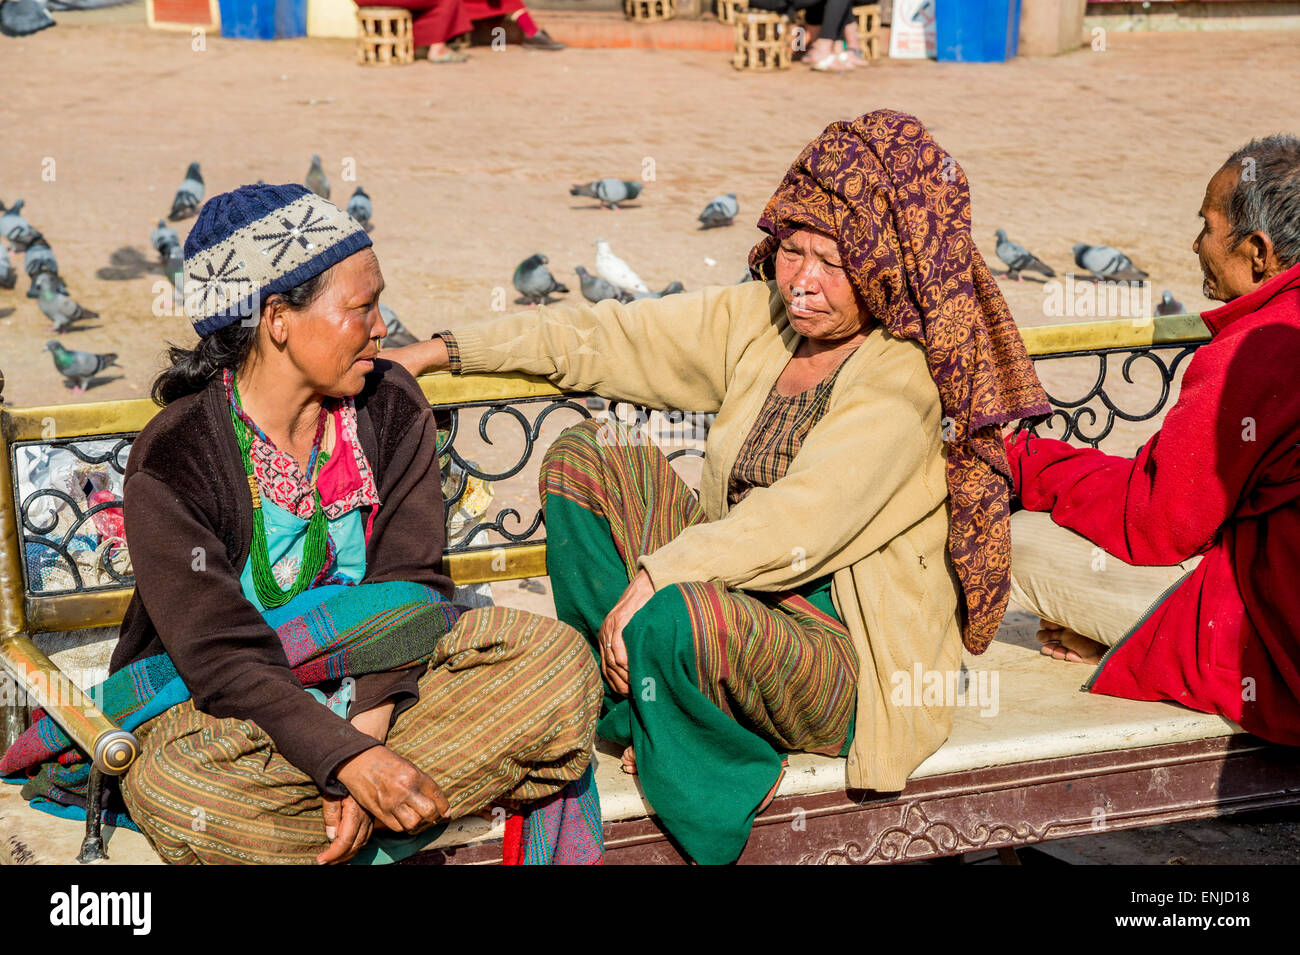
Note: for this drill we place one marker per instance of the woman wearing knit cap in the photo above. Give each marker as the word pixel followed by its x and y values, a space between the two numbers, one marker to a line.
pixel 286 526
pixel 852 518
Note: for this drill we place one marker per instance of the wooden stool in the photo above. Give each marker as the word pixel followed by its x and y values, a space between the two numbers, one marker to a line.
pixel 384 35
pixel 650 10
pixel 762 41
pixel 727 9
pixel 869 29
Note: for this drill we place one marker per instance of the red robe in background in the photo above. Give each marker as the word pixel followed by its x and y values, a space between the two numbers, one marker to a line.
pixel 1221 478
pixel 439 22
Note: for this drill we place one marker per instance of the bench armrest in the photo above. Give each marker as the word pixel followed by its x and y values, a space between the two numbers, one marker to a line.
pixel 111 748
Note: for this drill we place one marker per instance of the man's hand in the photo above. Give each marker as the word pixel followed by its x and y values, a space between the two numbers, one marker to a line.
pixel 348 828
pixel 613 652
pixel 393 790
pixel 420 358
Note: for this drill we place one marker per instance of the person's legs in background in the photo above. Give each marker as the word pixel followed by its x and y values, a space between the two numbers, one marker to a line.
pixel 433 25
pixel 535 38
pixel 823 55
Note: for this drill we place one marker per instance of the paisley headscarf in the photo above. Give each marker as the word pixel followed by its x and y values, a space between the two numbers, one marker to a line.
pixel 898 207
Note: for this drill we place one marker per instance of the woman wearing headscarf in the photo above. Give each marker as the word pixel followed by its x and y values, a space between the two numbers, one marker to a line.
pixel 852 520
pixel 290 660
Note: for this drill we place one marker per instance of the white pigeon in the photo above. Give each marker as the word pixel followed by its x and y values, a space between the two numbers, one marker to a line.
pixel 613 269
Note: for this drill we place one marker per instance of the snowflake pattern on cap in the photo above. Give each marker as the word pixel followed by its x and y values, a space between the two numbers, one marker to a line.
pixel 313 221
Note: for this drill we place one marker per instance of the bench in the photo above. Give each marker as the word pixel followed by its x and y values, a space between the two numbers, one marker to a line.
pixel 1030 758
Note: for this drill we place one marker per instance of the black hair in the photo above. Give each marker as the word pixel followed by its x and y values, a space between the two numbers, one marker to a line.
pixel 1267 195
pixel 192 368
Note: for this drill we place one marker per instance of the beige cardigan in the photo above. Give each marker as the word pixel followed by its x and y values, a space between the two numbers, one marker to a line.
pixel 865 499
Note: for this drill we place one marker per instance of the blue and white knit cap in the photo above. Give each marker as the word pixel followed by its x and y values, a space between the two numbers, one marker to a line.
pixel 254 241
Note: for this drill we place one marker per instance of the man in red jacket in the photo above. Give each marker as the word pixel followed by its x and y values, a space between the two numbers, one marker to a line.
pixel 1202 527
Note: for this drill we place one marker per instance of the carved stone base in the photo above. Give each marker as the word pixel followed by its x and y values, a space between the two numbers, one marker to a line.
pixel 989 808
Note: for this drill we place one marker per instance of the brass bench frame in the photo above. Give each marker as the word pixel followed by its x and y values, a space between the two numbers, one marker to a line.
pixel 933 817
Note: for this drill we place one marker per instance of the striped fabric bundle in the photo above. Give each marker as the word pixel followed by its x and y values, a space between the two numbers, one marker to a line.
pixel 327 633
pixel 564 830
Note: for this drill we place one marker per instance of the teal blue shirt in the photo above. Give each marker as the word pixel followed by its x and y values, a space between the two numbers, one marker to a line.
pixel 286 535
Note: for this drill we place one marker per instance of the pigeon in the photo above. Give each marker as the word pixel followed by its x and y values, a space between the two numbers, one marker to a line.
pixel 1018 259
pixel 397 334
pixel 610 192
pixel 316 179
pixel 1170 305
pixel 23 17
pixel 596 289
pixel 613 269
pixel 163 237
pixel 188 196
pixel 535 281
pixel 57 306
pixel 1107 263
pixel 78 367
pixel 8 274
pixel 359 208
pixel 15 228
pixel 672 288
pixel 168 246
pixel 720 211
pixel 40 258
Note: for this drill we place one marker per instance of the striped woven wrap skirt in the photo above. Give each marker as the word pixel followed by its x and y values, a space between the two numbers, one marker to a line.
pixel 722 682
pixel 505 718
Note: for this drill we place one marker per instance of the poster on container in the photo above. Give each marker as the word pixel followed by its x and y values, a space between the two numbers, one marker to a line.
pixel 911 31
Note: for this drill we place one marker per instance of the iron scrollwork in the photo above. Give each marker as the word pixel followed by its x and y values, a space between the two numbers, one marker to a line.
pixel 53 520
pixel 457 481
pixel 1090 419
pixel 58 524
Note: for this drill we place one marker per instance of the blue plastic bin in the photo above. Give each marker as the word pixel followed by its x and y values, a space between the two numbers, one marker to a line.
pixel 263 19
pixel 976 31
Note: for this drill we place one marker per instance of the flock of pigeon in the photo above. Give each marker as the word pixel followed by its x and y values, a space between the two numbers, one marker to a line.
pixel 614 278
pixel 50 292
pixel 1104 263
pixel 79 368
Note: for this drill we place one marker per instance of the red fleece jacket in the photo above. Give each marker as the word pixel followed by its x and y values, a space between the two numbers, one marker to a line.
pixel 1221 478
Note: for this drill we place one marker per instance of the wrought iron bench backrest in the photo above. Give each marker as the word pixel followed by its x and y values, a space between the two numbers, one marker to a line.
pixel 61 566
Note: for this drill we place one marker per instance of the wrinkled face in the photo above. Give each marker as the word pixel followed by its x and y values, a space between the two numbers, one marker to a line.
pixel 332 342
pixel 1227 268
pixel 818 295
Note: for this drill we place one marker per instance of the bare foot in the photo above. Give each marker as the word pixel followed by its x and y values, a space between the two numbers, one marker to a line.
pixel 442 53
pixel 629 761
pixel 1061 643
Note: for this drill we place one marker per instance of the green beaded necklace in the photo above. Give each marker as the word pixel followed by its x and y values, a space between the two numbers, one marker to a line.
pixel 315 547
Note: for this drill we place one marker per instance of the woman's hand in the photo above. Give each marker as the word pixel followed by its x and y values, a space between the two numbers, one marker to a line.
pixel 347 826
pixel 613 652
pixel 420 358
pixel 393 790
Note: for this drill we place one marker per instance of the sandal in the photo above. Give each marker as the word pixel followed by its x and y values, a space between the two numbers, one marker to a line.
pixel 451 56
pixel 830 63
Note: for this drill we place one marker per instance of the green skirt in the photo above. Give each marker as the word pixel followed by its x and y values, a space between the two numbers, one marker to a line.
pixel 723 682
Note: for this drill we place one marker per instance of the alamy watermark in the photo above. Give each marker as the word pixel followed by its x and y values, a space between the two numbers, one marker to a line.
pixel 962 687
pixel 1088 299
pixel 45 688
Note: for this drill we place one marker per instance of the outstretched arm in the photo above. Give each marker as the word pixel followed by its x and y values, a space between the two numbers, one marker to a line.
pixel 673 352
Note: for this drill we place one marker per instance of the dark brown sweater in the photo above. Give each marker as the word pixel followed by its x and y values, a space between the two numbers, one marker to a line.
pixel 189 521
